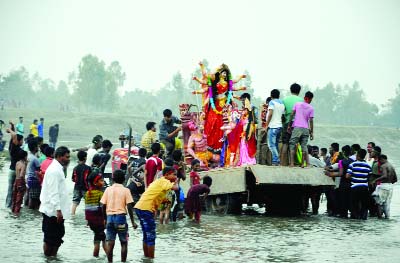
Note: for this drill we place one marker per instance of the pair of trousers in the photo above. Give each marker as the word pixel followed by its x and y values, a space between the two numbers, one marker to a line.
pixel 273 143
pixel 11 180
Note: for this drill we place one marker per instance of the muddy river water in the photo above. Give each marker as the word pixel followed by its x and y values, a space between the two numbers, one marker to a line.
pixel 243 238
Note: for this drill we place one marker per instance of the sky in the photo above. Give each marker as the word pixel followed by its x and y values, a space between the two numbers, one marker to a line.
pixel 279 42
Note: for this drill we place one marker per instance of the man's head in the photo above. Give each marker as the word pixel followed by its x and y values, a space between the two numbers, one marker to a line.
pixel 142 152
pixel 315 151
pixel 49 152
pixel 96 161
pixel 361 154
pixel 370 147
pixel 334 148
pixel 275 94
pixel 151 125
pixel 39 140
pixel 295 89
pixel 195 164
pixel 20 139
pixel 382 158
pixel 82 155
pixel 207 180
pixel 96 180
pixel 177 155
pixel 97 140
pixel 22 155
pixel 376 151
pixel 35 121
pixel 167 115
pixel 62 155
pixel 41 120
pixel 119 176
pixel 33 146
pixel 56 125
pixel 324 151
pixel 169 173
pixel 355 148
pixel 155 148
pixel 43 147
pixel 21 119
pixel 106 145
pixel 308 97
pixel 346 150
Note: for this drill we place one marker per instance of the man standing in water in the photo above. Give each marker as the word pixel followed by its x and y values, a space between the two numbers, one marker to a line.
pixel 55 205
pixel 20 126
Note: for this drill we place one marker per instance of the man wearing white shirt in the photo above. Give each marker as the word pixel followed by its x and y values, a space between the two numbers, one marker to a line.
pixel 55 205
pixel 276 109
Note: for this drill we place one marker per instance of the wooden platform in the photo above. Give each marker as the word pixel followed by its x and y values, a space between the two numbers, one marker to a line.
pixel 233 180
pixel 290 176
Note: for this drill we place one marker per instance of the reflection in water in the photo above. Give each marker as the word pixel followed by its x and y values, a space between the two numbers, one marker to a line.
pixel 217 239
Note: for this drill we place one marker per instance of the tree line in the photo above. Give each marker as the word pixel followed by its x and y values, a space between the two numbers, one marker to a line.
pixel 93 86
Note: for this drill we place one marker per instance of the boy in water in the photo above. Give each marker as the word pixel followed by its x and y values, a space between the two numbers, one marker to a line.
pixel 79 177
pixel 193 202
pixel 116 199
pixel 19 184
pixel 94 212
pixel 194 176
pixel 148 205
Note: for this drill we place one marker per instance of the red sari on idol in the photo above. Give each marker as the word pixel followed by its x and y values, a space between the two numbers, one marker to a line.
pixel 213 120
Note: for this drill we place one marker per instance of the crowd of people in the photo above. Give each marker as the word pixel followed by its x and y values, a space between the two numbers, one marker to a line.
pixel 150 186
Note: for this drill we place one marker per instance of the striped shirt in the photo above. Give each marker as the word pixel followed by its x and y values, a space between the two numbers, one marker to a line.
pixel 359 171
pixel 93 208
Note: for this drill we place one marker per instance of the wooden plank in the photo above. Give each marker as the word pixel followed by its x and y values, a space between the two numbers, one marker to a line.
pixel 287 175
pixel 225 180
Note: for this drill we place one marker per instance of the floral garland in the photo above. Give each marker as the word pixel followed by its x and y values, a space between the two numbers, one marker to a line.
pixel 210 94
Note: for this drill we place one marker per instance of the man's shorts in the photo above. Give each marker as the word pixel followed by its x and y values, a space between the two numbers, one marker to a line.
pixel 98 231
pixel 299 135
pixel 53 231
pixel 148 224
pixel 78 195
pixel 116 224
pixel 285 135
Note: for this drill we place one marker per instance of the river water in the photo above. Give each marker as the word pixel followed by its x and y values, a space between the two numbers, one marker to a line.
pixel 244 238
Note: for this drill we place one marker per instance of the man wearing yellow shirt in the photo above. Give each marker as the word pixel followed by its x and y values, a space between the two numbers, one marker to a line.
pixel 148 204
pixel 34 128
pixel 150 136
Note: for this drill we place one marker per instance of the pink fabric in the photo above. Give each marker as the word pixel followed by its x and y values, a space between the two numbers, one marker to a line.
pixel 244 154
pixel 340 164
pixel 304 112
pixel 45 164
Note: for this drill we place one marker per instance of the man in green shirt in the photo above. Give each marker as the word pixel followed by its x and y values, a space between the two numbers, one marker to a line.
pixel 20 126
pixel 289 102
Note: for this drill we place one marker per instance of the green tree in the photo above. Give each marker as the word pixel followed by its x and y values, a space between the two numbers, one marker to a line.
pixel 16 88
pixel 115 78
pixel 394 109
pixel 91 83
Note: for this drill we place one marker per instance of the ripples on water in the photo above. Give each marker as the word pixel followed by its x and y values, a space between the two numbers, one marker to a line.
pixel 217 239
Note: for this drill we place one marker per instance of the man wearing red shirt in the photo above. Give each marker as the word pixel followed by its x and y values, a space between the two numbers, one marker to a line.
pixel 153 165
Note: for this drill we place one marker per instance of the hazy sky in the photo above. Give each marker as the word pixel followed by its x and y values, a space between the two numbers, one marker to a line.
pixel 278 42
